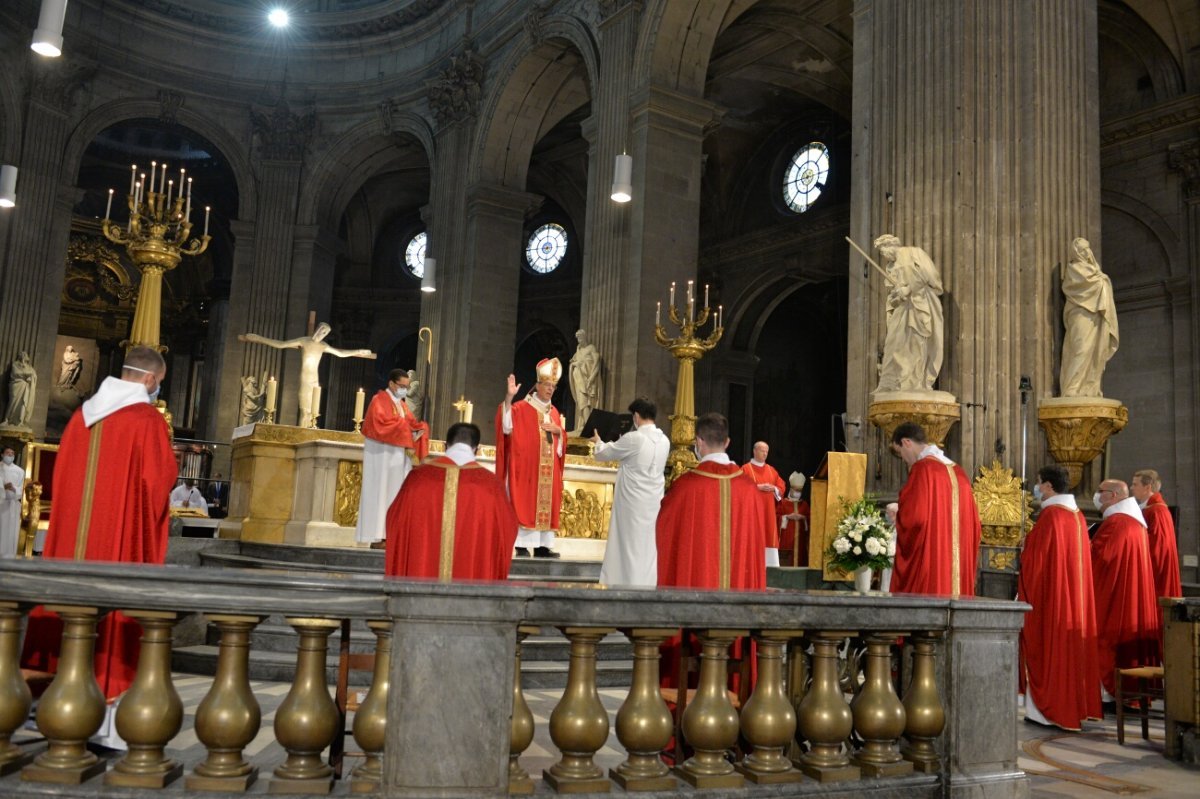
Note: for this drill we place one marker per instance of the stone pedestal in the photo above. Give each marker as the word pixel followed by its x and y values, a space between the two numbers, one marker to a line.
pixel 1077 429
pixel 936 411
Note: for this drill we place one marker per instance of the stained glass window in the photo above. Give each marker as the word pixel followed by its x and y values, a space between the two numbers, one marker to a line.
pixel 414 255
pixel 546 248
pixel 805 176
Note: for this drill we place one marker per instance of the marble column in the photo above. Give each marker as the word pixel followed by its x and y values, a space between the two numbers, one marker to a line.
pixel 236 317
pixel 211 394
pixel 607 223
pixel 976 138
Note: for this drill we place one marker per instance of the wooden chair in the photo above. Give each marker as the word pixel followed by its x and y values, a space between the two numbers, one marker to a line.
pixel 1149 687
pixel 347 701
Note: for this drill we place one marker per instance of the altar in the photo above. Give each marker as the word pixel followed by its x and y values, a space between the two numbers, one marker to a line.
pixel 301 486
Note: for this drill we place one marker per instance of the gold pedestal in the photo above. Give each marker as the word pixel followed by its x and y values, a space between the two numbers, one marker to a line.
pixel 935 411
pixel 1077 429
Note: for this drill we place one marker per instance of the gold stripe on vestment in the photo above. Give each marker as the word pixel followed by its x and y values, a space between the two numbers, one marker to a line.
pixel 449 519
pixel 89 492
pixel 725 544
pixel 1080 544
pixel 955 567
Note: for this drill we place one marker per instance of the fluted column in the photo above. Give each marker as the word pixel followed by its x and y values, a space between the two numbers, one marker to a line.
pixel 370 720
pixel 15 697
pixel 824 719
pixel 977 139
pixel 644 723
pixel 151 712
pixel 710 722
pixel 72 708
pixel 579 722
pixel 768 720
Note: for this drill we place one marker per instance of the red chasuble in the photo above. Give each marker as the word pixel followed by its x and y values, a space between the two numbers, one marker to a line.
pixel 389 424
pixel 767 474
pixel 529 462
pixel 112 484
pixel 449 523
pixel 1127 616
pixel 1164 551
pixel 937 531
pixel 1059 666
pixel 793 535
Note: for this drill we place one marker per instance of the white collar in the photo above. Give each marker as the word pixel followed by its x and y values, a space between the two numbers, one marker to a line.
pixel 533 400
pixel 113 395
pixel 1129 507
pixel 461 454
pixel 758 464
pixel 1062 501
pixel 935 451
pixel 721 458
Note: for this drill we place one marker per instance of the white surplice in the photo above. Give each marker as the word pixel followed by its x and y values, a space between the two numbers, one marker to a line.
pixel 10 508
pixel 384 470
pixel 631 557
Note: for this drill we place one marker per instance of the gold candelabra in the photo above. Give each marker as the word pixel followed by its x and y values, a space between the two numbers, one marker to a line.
pixel 156 237
pixel 687 348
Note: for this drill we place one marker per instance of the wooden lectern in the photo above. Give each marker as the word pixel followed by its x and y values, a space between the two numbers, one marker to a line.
pixel 842 476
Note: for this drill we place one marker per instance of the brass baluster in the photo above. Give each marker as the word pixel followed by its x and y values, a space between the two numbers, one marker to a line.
pixel 797 687
pixel 308 718
pixel 825 719
pixel 370 720
pixel 579 723
pixel 229 716
pixel 768 719
pixel 151 713
pixel 710 722
pixel 644 722
pixel 878 714
pixel 15 697
pixel 72 708
pixel 925 716
pixel 522 724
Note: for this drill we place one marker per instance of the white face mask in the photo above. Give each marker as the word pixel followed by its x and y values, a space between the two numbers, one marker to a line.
pixel 1096 501
pixel 401 393
pixel 8 459
pixel 1037 492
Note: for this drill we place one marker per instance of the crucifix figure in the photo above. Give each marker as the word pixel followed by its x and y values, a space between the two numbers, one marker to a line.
pixel 312 348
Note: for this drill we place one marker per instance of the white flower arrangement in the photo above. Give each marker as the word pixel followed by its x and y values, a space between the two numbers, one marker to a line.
pixel 863 538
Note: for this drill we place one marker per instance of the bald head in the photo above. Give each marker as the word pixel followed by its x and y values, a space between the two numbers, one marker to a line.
pixel 144 365
pixel 1111 492
pixel 761 450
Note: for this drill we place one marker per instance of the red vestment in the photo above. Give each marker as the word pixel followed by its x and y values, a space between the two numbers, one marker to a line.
pixel 1059 665
pixel 767 475
pixel 1164 550
pixel 530 462
pixel 389 424
pixel 793 535
pixel 1127 616
pixel 931 532
pixel 480 538
pixel 127 483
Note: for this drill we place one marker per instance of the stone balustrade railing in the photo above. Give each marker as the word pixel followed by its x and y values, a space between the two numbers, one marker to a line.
pixel 445 715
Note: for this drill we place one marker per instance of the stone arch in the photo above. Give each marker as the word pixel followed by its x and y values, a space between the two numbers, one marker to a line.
pixel 541 82
pixel 361 152
pixel 1147 218
pixel 110 114
pixel 676 41
pixel 750 310
pixel 1129 45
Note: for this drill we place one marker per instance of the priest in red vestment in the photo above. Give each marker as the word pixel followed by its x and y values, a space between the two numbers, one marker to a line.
pixel 1164 549
pixel 112 483
pixel 1060 673
pixel 937 523
pixel 394 442
pixel 771 489
pixel 793 514
pixel 452 519
pixel 1127 615
pixel 531 449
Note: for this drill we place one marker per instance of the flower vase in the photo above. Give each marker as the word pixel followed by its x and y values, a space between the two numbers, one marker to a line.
pixel 862 579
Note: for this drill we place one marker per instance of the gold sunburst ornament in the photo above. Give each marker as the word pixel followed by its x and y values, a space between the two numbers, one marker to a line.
pixel 1004 512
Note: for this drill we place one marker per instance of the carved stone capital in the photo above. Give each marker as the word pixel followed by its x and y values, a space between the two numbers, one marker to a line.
pixel 935 415
pixel 1077 430
pixel 282 135
pixel 455 93
pixel 1185 157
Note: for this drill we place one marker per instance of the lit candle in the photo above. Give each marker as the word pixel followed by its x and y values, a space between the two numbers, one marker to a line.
pixel 153 169
pixel 162 180
pixel 141 189
pixel 170 190
pixel 359 399
pixel 316 404
pixel 658 313
pixel 468 409
pixel 720 315
pixel 689 292
pixel 207 211
pixel 108 208
pixel 187 214
pixel 132 178
pixel 705 295
pixel 672 303
pixel 272 389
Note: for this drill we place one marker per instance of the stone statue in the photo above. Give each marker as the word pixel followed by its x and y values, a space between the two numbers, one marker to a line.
pixel 1090 317
pixel 587 384
pixel 312 348
pixel 912 350
pixel 416 395
pixel 22 387
pixel 72 367
pixel 254 395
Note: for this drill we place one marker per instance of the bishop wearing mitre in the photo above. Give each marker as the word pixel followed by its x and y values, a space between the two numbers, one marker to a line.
pixel 530 455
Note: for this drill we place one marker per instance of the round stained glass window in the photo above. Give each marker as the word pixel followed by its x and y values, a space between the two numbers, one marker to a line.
pixel 546 248
pixel 414 255
pixel 805 176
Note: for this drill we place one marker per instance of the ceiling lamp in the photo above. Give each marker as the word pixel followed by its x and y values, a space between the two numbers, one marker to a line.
pixel 8 186
pixel 47 39
pixel 622 188
pixel 429 279
pixel 279 17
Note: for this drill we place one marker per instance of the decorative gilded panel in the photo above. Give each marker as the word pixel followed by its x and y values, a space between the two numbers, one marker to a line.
pixel 347 494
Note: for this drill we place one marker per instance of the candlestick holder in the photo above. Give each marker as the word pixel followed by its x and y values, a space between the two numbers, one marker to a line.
pixel 358 425
pixel 269 417
pixel 687 348
pixel 156 237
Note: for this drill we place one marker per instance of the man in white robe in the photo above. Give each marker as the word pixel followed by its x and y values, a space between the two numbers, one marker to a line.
pixel 393 442
pixel 631 557
pixel 12 480
pixel 187 495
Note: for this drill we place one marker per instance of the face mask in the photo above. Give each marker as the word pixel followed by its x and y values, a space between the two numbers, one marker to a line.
pixel 696 450
pixel 401 393
pixel 8 459
pixel 154 394
pixel 1096 501
pixel 1037 492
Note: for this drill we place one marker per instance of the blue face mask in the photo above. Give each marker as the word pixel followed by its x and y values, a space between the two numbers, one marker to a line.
pixel 154 394
pixel 1037 492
